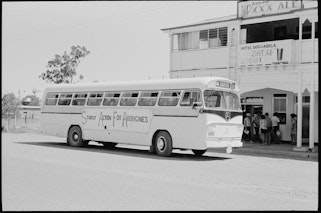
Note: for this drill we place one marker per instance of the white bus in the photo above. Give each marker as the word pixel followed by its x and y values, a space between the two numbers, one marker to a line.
pixel 191 113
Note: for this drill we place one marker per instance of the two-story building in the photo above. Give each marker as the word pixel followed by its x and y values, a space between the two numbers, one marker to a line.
pixel 270 48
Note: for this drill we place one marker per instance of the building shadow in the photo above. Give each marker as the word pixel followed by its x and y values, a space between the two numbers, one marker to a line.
pixel 131 152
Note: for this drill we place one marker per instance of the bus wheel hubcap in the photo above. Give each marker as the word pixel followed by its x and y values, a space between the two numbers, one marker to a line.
pixel 161 143
pixel 75 136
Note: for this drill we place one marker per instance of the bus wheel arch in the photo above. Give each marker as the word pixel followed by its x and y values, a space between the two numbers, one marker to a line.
pixel 162 143
pixel 74 136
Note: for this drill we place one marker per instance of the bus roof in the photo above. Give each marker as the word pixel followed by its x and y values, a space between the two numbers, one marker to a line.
pixel 181 83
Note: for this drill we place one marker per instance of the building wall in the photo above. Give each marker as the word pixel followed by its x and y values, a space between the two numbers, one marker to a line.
pixel 300 58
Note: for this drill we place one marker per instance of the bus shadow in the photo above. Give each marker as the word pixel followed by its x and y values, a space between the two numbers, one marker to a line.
pixel 125 151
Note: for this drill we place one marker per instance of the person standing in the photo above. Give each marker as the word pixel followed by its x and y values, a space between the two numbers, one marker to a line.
pixel 247 128
pixel 276 129
pixel 263 130
pixel 256 124
pixel 269 128
pixel 293 128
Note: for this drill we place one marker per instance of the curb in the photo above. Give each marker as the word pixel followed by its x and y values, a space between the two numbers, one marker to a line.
pixel 272 153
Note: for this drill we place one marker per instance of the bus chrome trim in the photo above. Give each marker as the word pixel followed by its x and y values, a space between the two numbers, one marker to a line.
pixel 227 115
pixel 185 116
pixel 69 113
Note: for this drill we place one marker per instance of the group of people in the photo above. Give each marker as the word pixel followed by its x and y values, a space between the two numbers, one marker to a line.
pixel 261 128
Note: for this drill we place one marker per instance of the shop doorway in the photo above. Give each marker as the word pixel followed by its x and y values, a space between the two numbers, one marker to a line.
pixel 252 109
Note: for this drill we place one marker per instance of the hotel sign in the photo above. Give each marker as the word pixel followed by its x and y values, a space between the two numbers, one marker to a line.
pixel 266 53
pixel 259 8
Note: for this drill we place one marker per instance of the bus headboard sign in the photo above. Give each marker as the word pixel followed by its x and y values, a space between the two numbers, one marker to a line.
pixel 117 119
pixel 224 84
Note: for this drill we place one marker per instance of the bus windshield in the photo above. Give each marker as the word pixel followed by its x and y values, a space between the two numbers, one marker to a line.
pixel 221 100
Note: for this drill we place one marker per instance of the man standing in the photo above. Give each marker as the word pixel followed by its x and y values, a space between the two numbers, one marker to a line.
pixel 247 128
pixel 269 128
pixel 256 123
pixel 275 125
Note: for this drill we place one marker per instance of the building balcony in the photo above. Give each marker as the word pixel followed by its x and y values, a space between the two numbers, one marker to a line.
pixel 271 53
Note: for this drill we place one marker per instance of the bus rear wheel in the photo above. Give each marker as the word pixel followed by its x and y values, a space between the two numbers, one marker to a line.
pixel 198 152
pixel 75 137
pixel 163 144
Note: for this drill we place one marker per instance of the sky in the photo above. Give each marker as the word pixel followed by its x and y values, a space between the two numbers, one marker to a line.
pixel 124 38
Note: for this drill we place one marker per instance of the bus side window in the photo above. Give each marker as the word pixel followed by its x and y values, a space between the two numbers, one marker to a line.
pixel 191 95
pixel 111 99
pixel 169 98
pixel 129 99
pixel 95 99
pixel 148 98
pixel 79 99
pixel 65 99
pixel 51 99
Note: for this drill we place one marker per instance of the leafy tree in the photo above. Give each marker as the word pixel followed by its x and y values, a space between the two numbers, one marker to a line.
pixel 62 69
pixel 31 100
pixel 9 105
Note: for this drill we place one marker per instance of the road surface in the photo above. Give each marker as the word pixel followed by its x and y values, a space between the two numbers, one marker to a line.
pixel 43 173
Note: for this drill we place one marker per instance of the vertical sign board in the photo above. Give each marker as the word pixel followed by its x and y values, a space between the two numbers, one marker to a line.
pixel 266 53
pixel 130 120
pixel 249 9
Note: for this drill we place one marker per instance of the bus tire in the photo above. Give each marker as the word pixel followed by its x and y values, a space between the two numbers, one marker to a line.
pixel 109 145
pixel 163 144
pixel 75 137
pixel 198 152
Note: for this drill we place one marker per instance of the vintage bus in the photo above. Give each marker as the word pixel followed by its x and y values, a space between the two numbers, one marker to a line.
pixel 189 114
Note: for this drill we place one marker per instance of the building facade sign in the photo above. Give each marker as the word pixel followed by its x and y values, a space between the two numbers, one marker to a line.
pixel 252 100
pixel 266 53
pixel 249 9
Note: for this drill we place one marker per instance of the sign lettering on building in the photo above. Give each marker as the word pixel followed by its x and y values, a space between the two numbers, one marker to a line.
pixel 249 9
pixel 266 53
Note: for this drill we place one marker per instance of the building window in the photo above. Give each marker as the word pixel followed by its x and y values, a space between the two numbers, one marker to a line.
pixel 306 29
pixel 175 42
pixel 272 31
pixel 217 37
pixel 183 41
pixel 305 99
pixel 222 34
pixel 203 39
pixel 280 33
pixel 316 30
pixel 279 106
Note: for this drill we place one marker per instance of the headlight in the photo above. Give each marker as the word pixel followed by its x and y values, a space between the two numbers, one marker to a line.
pixel 239 127
pixel 211 130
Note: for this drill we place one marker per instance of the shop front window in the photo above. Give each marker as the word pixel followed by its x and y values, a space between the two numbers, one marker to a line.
pixel 279 106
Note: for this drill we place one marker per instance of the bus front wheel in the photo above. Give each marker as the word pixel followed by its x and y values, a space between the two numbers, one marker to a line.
pixel 75 137
pixel 163 144
pixel 198 152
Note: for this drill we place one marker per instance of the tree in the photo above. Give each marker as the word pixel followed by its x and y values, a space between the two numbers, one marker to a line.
pixel 9 105
pixel 62 69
